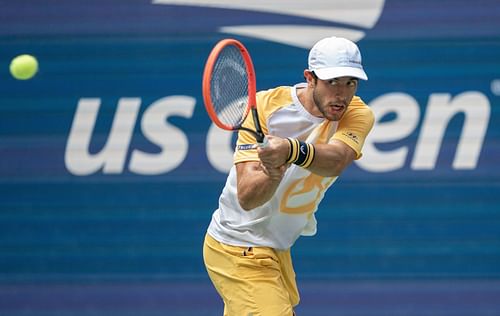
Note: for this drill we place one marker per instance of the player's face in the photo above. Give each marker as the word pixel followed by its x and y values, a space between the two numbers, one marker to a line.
pixel 332 97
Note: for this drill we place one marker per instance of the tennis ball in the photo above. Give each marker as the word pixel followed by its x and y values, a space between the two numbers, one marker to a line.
pixel 23 67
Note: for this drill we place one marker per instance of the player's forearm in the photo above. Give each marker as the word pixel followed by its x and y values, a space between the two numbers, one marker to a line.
pixel 327 160
pixel 331 159
pixel 257 185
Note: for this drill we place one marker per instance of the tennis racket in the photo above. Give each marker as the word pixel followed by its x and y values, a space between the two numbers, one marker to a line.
pixel 229 88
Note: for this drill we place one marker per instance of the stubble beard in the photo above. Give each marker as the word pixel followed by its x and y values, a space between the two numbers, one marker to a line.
pixel 317 103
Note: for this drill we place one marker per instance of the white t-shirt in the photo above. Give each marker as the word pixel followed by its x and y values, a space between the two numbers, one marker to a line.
pixel 290 212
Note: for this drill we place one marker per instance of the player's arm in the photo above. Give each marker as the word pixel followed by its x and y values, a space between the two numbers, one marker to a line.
pixel 257 183
pixel 329 159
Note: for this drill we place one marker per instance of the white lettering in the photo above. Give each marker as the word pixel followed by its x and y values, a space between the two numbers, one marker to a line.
pixel 219 148
pixel 397 117
pixel 172 140
pixel 440 110
pixel 111 158
pixel 407 115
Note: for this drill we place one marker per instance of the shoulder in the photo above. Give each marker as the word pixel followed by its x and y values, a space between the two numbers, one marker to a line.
pixel 276 95
pixel 359 110
pixel 269 101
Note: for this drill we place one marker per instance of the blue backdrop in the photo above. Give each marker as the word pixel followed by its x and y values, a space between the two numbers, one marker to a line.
pixel 109 176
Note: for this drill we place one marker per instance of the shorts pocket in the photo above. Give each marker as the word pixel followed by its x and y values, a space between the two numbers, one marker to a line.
pixel 262 256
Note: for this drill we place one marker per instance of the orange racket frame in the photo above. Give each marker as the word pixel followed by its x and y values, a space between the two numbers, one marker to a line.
pixel 252 103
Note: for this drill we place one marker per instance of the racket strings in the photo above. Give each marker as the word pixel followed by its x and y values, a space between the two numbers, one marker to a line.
pixel 229 87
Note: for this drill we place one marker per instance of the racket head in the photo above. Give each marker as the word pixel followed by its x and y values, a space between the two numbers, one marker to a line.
pixel 229 86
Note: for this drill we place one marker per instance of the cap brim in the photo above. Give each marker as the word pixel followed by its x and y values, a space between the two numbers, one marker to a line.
pixel 336 72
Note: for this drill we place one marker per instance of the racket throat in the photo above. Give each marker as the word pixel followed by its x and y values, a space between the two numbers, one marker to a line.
pixel 259 135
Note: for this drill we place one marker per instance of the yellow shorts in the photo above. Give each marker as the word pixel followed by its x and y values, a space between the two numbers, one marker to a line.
pixel 252 281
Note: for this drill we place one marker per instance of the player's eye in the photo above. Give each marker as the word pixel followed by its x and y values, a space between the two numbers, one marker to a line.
pixel 352 83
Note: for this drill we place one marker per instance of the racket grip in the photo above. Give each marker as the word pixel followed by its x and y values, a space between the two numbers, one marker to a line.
pixel 264 143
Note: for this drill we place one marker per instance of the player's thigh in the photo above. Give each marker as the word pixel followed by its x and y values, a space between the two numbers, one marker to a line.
pixel 248 279
pixel 258 288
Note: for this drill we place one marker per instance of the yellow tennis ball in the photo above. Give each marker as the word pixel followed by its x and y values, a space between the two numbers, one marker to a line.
pixel 24 67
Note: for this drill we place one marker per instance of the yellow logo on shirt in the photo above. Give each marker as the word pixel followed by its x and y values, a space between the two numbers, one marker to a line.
pixel 303 195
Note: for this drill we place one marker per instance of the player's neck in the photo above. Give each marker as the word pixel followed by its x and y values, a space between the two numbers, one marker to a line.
pixel 306 99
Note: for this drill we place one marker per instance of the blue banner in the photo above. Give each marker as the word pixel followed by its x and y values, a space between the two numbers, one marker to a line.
pixel 110 168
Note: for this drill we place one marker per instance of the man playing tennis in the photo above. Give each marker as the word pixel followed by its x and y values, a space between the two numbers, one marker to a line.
pixel 314 131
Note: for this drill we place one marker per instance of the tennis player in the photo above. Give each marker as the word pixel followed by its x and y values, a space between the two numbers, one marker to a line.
pixel 315 130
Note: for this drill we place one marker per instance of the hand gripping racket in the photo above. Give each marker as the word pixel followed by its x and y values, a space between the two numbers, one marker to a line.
pixel 229 88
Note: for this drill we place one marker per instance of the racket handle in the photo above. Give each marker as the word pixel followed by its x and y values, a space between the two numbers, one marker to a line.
pixel 264 143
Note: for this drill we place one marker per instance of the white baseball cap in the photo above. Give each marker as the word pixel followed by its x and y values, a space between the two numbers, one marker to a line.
pixel 334 57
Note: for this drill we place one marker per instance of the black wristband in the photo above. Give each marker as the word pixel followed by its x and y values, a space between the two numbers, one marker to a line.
pixel 301 153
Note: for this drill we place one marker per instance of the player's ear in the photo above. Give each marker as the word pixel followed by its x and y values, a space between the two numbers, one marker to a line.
pixel 310 77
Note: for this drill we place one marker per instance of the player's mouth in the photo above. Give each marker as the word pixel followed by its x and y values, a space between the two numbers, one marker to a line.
pixel 337 107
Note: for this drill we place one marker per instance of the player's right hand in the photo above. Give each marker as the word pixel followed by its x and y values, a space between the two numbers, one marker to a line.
pixel 274 155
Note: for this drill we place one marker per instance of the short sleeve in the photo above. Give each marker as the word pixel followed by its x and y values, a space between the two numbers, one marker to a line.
pixel 355 125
